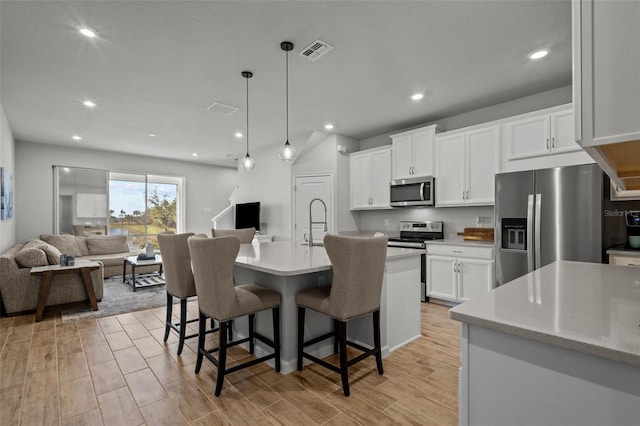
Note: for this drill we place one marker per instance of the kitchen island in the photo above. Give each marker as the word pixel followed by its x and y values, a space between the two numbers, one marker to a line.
pixel 288 267
pixel 558 346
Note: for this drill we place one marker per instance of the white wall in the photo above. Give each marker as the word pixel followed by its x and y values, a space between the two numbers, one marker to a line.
pixel 270 183
pixel 207 187
pixel 7 159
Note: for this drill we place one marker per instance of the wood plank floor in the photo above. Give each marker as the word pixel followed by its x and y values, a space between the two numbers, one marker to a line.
pixel 118 371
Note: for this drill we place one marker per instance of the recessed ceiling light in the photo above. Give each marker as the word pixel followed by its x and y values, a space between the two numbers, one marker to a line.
pixel 328 126
pixel 66 169
pixel 195 154
pixel 76 138
pixel 539 54
pixel 88 32
pixel 417 96
pixel 89 104
pixel 153 135
pixel 238 135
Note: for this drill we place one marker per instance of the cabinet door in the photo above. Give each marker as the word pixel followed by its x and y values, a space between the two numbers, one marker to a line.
pixel 441 277
pixel 402 157
pixel 528 137
pixel 624 260
pixel 423 153
pixel 450 165
pixel 481 155
pixel 475 277
pixel 562 132
pixel 380 177
pixel 360 175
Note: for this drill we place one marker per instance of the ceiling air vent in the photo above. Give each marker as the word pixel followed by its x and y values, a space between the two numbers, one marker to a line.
pixel 223 109
pixel 315 50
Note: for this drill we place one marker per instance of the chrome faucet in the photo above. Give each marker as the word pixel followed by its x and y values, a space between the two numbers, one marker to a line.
pixel 311 222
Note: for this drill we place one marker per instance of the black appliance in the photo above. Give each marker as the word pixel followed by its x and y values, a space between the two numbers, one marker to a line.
pixel 416 235
pixel 632 220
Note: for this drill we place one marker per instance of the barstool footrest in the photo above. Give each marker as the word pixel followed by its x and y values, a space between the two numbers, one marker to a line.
pixel 319 339
pixel 321 362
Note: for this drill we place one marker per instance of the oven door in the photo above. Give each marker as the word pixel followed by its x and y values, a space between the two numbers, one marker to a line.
pixel 412 192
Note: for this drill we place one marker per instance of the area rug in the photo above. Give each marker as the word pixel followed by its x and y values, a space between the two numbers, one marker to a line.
pixel 119 298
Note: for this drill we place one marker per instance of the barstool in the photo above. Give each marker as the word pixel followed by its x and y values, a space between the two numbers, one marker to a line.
pixel 176 264
pixel 358 270
pixel 212 261
pixel 245 234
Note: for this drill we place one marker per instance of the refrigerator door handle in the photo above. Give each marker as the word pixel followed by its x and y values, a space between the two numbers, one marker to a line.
pixel 537 244
pixel 530 227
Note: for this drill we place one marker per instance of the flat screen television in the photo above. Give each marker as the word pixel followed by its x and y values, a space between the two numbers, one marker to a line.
pixel 248 215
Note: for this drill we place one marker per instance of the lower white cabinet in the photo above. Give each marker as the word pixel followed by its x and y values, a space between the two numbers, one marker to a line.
pixel 459 273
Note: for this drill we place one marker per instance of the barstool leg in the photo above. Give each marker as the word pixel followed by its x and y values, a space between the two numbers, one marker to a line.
pixel 222 360
pixel 183 324
pixel 344 374
pixel 335 336
pixel 276 335
pixel 230 330
pixel 300 336
pixel 202 322
pixel 167 324
pixel 376 341
pixel 252 318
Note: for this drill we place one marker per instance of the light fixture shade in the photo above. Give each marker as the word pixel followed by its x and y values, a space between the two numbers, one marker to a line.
pixel 287 152
pixel 247 162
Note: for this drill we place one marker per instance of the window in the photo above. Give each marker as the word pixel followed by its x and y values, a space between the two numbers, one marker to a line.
pixel 142 206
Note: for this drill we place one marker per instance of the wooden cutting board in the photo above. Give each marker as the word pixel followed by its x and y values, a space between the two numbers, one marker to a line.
pixel 478 234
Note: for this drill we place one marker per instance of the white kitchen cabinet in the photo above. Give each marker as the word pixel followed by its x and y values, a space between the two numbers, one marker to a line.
pixel 465 166
pixel 606 87
pixel 370 173
pixel 413 153
pixel 542 134
pixel 459 273
pixel 624 260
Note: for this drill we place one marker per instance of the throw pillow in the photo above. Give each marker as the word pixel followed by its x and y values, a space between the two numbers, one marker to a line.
pixel 53 254
pixel 30 257
pixel 65 243
pixel 82 245
pixel 107 244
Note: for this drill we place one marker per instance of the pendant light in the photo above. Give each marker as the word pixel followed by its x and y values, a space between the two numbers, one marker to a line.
pixel 247 162
pixel 287 151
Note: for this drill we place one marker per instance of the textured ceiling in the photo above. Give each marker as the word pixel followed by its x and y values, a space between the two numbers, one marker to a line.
pixel 158 65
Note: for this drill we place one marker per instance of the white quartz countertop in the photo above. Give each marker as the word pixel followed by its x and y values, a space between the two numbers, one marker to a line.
pixel 588 307
pixel 458 240
pixel 287 258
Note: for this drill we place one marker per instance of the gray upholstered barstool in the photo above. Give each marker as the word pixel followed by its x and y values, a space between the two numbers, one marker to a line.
pixel 212 260
pixel 245 234
pixel 358 270
pixel 176 264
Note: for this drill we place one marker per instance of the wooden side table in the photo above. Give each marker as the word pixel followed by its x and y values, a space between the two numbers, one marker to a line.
pixel 47 272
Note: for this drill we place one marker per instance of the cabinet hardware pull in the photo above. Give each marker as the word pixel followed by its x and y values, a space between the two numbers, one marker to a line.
pixel 553 142
pixel 633 264
pixel 547 143
pixel 457 251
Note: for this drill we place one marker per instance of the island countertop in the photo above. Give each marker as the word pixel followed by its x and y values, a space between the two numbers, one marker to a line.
pixel 287 258
pixel 587 307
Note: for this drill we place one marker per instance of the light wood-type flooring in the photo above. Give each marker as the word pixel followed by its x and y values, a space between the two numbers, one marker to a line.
pixel 117 371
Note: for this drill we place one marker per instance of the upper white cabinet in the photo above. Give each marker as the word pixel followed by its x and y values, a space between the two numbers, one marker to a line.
pixel 370 173
pixel 413 152
pixel 606 85
pixel 465 166
pixel 542 134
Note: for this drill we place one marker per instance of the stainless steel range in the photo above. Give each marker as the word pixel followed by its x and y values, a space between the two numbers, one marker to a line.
pixel 416 235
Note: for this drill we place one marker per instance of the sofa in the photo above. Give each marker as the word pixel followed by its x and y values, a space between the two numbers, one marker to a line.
pixel 19 289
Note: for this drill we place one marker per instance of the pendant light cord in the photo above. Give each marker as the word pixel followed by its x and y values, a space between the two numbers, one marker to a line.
pixel 287 74
pixel 247 78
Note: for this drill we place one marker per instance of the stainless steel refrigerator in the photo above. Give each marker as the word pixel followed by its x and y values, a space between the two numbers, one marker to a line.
pixel 547 215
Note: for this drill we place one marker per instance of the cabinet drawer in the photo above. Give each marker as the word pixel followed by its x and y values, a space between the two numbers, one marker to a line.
pixel 460 251
pixel 624 260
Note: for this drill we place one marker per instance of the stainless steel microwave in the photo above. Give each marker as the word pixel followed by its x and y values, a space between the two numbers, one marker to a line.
pixel 412 192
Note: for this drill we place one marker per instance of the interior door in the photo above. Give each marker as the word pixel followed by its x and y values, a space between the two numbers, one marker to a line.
pixel 307 188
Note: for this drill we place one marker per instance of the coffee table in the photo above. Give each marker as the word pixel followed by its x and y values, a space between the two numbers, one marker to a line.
pixel 142 280
pixel 47 272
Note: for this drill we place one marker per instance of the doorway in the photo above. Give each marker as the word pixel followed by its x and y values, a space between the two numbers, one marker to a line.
pixel 305 189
